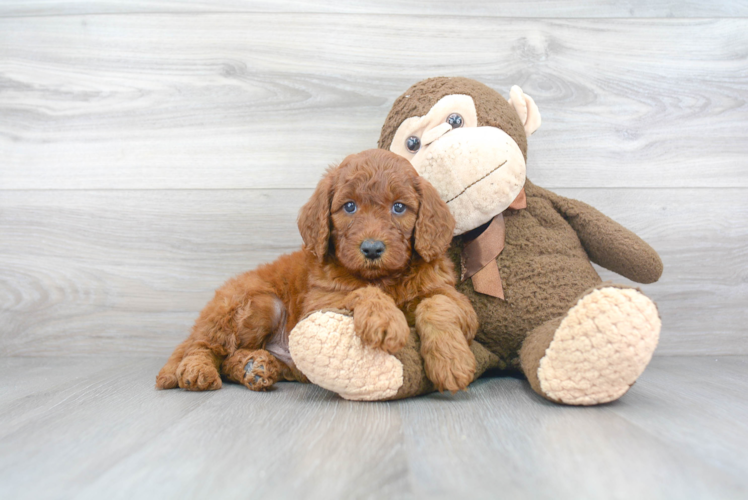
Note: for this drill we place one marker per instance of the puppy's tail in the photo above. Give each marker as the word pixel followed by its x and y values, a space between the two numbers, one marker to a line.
pixel 167 377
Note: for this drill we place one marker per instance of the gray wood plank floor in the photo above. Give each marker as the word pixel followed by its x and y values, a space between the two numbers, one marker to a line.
pixel 96 428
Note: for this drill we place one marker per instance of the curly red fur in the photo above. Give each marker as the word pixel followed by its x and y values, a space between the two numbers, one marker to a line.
pixel 410 283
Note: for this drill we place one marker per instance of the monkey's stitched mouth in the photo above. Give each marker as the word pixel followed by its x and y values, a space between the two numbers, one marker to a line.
pixel 475 182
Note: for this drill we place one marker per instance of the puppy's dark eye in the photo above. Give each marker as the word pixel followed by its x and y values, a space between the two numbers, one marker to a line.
pixel 398 208
pixel 454 120
pixel 350 207
pixel 413 144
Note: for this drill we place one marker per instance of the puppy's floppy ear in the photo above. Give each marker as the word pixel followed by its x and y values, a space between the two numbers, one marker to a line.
pixel 314 218
pixel 435 224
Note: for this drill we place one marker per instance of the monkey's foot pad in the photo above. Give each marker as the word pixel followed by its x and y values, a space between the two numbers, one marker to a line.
pixel 327 350
pixel 600 348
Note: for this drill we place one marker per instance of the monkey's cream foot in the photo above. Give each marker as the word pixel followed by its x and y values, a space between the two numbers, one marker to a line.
pixel 597 351
pixel 326 349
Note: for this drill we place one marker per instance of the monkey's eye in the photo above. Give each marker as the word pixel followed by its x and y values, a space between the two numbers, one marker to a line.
pixel 350 207
pixel 398 208
pixel 454 120
pixel 413 144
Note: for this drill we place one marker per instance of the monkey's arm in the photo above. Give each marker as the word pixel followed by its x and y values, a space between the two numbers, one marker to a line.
pixel 607 243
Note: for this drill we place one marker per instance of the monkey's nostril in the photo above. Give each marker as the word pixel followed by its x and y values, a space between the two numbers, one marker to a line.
pixel 372 249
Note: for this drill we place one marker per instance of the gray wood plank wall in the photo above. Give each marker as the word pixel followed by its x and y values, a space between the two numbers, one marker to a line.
pixel 151 150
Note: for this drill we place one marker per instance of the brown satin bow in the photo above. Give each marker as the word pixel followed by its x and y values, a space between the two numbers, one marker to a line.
pixel 479 254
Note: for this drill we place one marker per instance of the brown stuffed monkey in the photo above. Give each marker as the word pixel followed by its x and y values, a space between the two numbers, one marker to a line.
pixel 523 256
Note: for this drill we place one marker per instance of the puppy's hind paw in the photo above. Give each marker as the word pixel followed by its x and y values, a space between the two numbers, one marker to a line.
pixel 261 371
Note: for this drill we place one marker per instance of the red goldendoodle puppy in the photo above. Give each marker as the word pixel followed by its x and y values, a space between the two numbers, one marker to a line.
pixel 375 236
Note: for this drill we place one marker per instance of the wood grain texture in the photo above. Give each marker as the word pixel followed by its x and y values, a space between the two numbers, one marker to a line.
pixel 706 392
pixel 170 101
pixel 104 259
pixel 505 8
pixel 92 272
pixel 106 433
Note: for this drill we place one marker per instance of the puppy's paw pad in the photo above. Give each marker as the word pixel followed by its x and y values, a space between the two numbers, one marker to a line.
pixel 261 371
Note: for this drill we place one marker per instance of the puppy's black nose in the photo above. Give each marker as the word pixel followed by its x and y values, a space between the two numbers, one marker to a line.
pixel 372 249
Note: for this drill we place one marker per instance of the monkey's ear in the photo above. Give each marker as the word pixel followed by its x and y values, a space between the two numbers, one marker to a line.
pixel 314 218
pixel 526 108
pixel 435 224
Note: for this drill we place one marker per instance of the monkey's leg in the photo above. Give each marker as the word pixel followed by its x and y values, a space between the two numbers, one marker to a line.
pixel 594 353
pixel 326 349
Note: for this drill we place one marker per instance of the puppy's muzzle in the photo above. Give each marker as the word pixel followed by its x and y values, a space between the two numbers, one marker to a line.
pixel 372 249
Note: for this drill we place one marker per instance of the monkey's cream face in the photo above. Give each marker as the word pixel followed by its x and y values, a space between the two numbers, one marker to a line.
pixel 478 171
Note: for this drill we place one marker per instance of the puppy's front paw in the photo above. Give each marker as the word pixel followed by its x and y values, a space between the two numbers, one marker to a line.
pixel 196 374
pixel 384 328
pixel 471 324
pixel 450 365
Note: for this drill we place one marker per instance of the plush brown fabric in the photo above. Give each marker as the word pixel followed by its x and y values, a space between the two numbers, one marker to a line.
pixel 415 381
pixel 533 350
pixel 545 265
pixel 484 359
pixel 543 269
pixel 607 243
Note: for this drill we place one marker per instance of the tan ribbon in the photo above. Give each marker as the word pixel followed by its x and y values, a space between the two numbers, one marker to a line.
pixel 519 202
pixel 479 254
